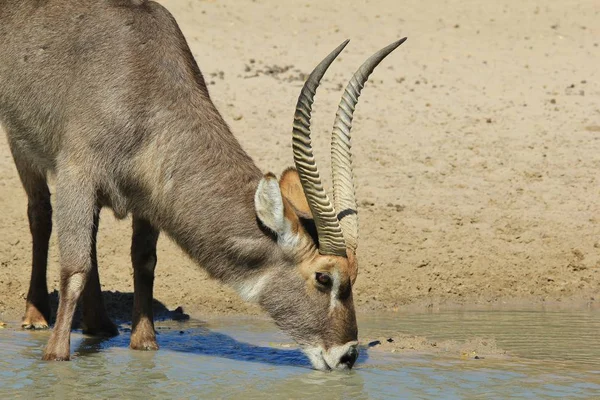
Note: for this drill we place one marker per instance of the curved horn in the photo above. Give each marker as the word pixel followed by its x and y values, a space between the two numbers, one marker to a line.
pixel 331 239
pixel 341 157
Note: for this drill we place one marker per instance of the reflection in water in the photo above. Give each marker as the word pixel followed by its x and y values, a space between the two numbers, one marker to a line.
pixel 559 356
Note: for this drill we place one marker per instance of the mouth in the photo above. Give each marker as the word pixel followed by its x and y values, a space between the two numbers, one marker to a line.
pixel 315 355
pixel 328 360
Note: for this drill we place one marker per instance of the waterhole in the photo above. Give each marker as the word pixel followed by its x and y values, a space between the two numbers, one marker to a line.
pixel 459 354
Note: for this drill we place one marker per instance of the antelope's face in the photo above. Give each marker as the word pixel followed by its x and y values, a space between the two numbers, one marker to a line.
pixel 311 297
pixel 328 286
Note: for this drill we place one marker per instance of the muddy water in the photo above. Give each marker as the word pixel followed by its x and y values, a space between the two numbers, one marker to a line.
pixel 551 355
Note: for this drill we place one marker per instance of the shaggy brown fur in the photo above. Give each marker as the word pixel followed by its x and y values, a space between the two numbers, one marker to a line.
pixel 106 96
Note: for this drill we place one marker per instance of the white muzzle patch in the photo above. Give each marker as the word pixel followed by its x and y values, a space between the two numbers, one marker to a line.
pixel 324 360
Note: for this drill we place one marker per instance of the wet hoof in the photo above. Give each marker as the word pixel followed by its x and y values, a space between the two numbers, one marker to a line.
pixel 34 326
pixel 54 357
pixel 148 344
pixel 34 319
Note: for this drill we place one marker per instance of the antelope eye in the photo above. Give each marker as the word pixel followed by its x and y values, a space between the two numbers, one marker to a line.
pixel 323 278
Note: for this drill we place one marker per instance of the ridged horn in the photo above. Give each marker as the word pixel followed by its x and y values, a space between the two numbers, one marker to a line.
pixel 341 157
pixel 331 239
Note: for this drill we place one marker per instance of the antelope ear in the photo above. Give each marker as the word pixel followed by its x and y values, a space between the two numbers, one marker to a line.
pixel 274 211
pixel 291 189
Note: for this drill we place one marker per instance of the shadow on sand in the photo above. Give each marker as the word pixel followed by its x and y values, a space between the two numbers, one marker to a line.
pixel 119 306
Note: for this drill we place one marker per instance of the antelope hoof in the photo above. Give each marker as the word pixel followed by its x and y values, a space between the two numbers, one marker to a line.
pixel 146 344
pixel 35 326
pixel 54 357
pixel 34 319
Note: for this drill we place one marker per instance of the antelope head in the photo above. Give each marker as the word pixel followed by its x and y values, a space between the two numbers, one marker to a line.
pixel 311 299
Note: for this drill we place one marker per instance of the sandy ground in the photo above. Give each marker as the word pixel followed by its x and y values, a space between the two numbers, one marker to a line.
pixel 476 348
pixel 477 148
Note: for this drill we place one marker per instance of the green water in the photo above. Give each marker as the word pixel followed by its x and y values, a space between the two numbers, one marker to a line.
pixel 553 355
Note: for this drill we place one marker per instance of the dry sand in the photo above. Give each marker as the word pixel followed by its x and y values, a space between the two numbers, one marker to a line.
pixel 477 148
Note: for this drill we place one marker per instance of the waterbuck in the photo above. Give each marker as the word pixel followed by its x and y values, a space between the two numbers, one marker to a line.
pixel 106 96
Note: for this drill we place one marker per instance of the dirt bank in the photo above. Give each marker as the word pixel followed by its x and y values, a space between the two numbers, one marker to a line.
pixel 477 148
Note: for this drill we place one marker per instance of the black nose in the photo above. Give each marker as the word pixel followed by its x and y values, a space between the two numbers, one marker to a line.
pixel 350 357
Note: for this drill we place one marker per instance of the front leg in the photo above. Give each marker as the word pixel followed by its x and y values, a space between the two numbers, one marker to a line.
pixel 75 210
pixel 143 258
